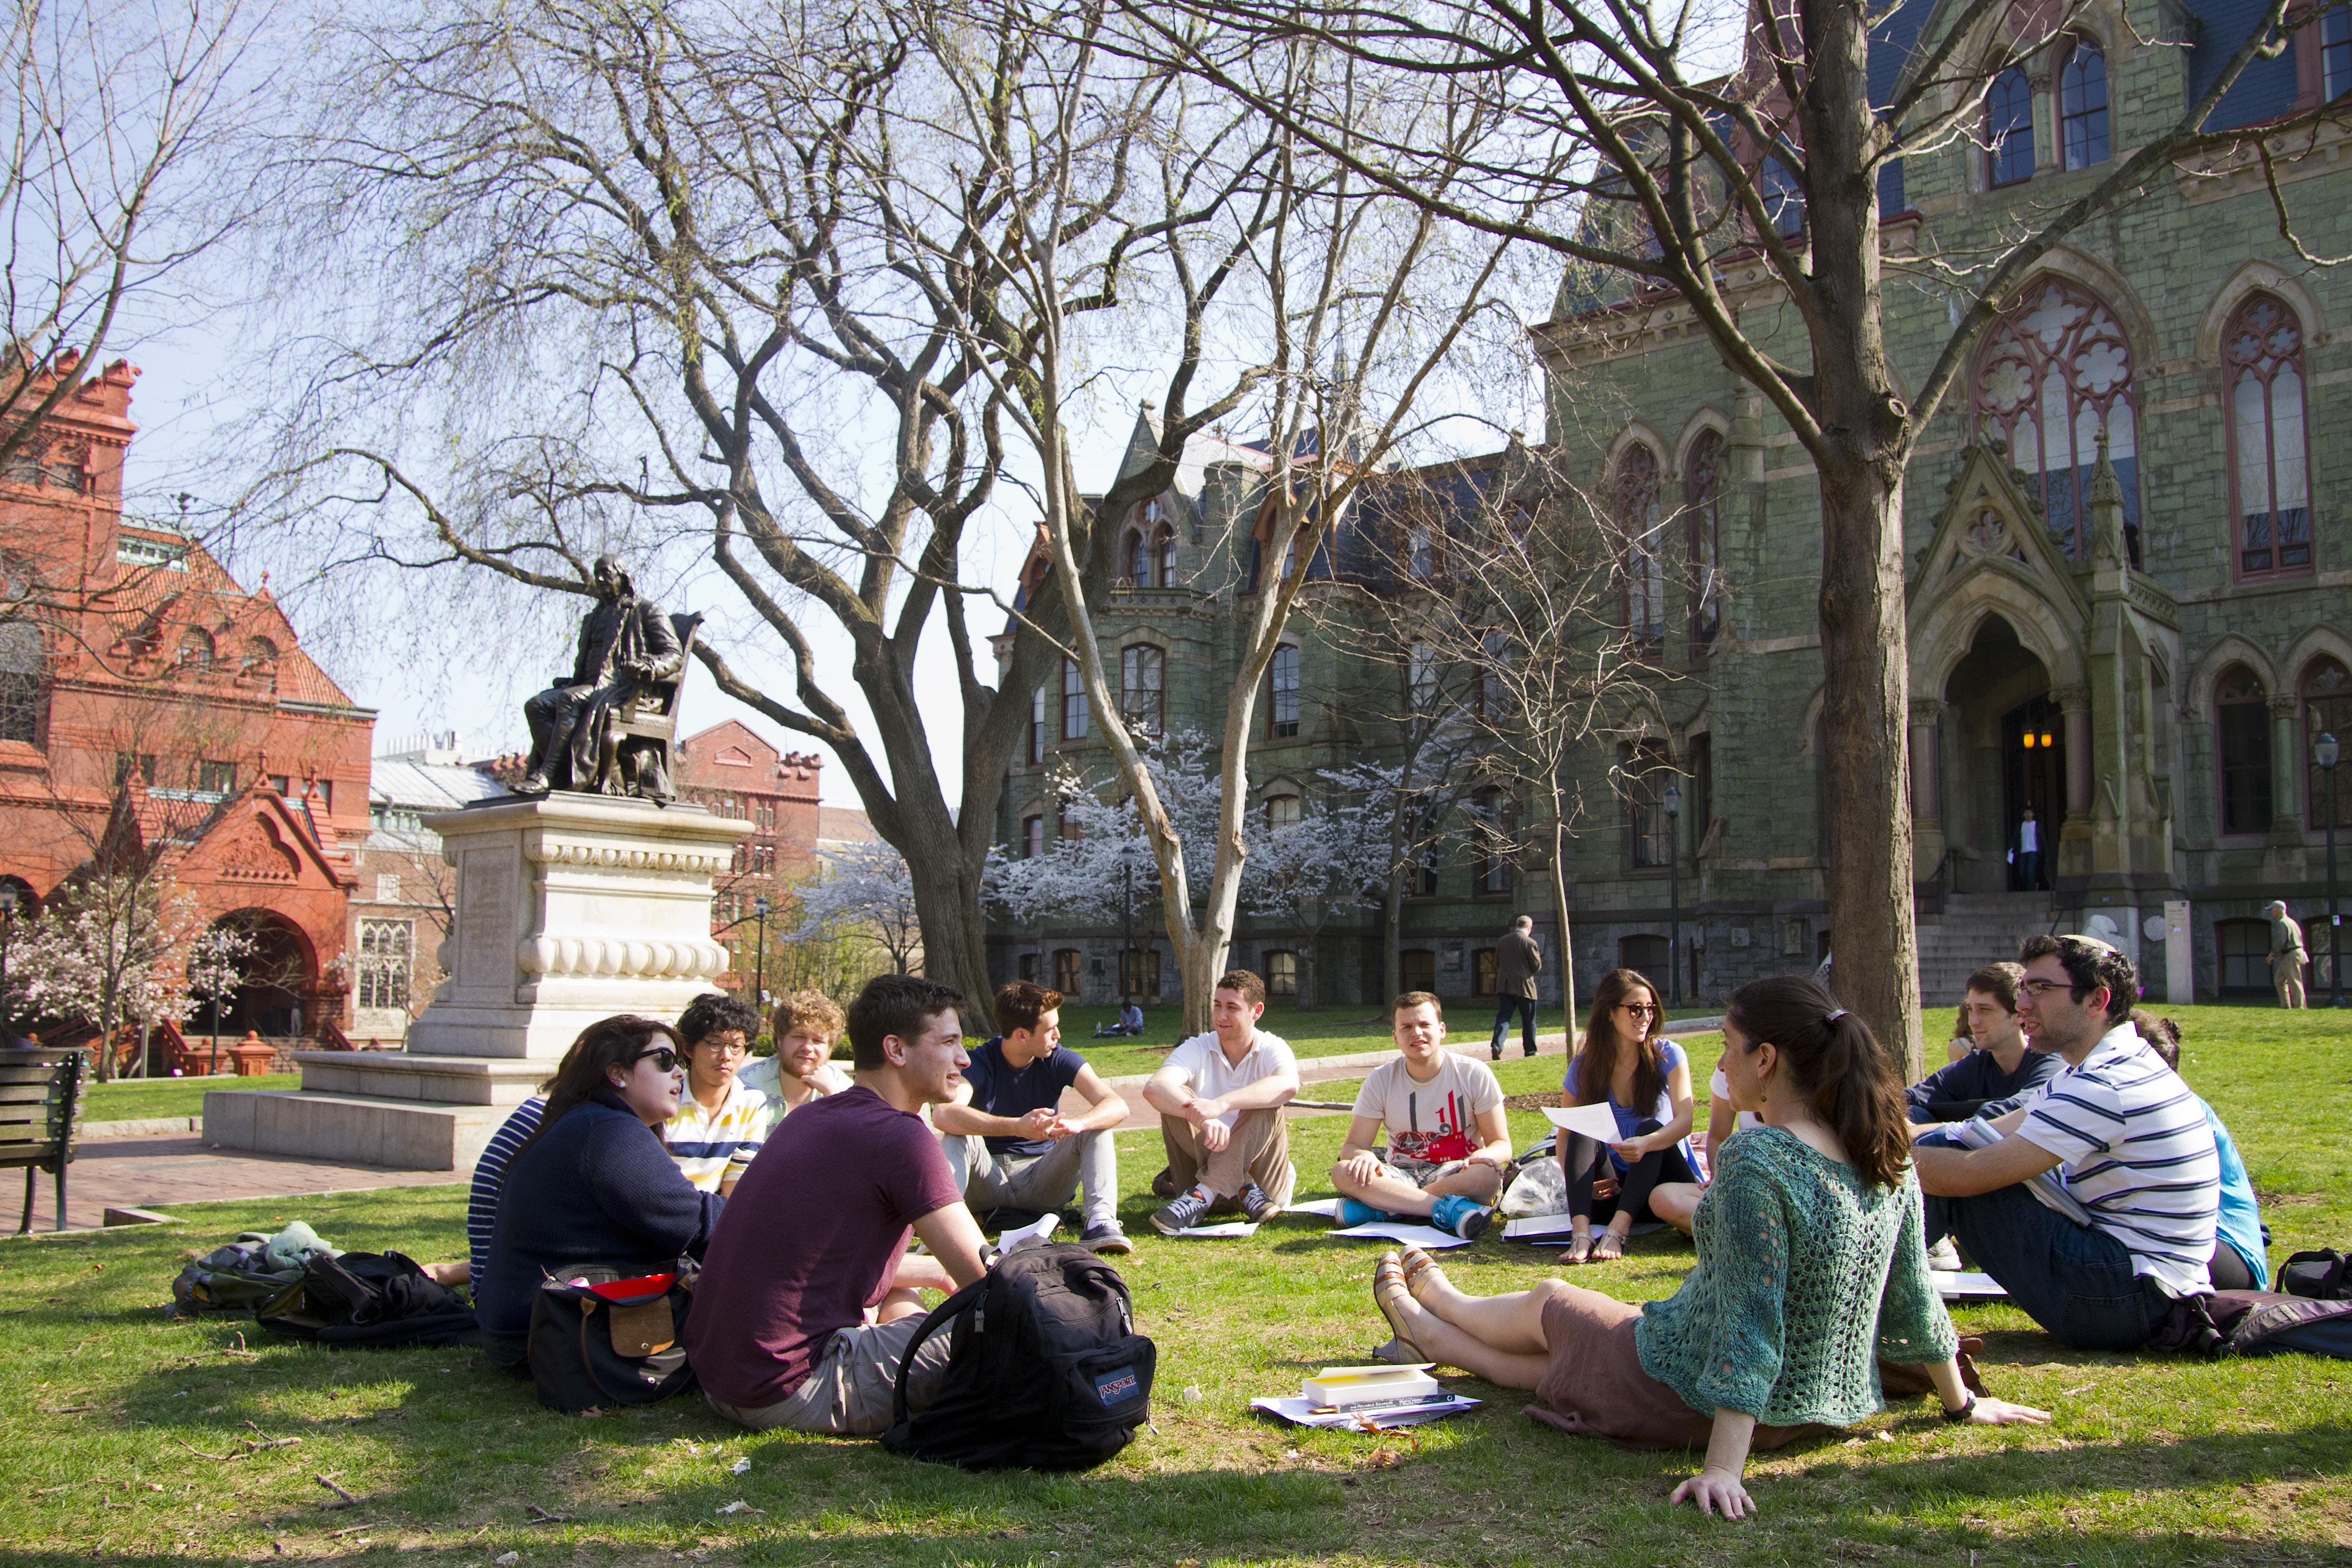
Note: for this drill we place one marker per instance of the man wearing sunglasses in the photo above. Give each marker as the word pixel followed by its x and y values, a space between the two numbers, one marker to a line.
pixel 2119 1140
pixel 808 1299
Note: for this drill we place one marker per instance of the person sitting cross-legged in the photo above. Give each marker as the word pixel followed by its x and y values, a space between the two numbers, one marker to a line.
pixel 1810 1216
pixel 1645 1081
pixel 806 1025
pixel 1008 1143
pixel 1449 1137
pixel 720 1119
pixel 1220 1099
pixel 2133 1147
pixel 806 1305
pixel 1129 1022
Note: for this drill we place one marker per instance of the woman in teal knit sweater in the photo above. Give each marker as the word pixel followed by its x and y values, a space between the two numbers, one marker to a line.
pixel 1810 1269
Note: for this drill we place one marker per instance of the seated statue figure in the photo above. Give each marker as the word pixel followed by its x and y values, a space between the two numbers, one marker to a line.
pixel 626 644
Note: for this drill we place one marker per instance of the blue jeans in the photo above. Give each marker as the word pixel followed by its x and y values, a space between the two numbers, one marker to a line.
pixel 1504 1008
pixel 2075 1281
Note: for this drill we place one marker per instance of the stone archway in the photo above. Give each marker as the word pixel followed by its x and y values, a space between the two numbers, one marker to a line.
pixel 276 992
pixel 2004 751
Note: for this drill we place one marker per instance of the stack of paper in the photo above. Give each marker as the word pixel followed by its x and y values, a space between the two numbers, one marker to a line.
pixel 1954 1286
pixel 1404 1232
pixel 1592 1121
pixel 1364 1418
pixel 1542 1230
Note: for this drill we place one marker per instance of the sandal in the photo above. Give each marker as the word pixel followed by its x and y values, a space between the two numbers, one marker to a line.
pixel 1421 1271
pixel 1580 1250
pixel 1388 1294
pixel 1608 1246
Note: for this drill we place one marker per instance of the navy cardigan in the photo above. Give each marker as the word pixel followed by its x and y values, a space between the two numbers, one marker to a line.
pixel 597 1186
pixel 1976 1086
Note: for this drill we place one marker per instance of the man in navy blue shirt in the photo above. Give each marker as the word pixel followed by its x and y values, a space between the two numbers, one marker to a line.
pixel 1004 1133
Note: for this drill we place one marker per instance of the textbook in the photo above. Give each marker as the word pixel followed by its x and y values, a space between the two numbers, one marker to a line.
pixel 1365 1418
pixel 1388 1386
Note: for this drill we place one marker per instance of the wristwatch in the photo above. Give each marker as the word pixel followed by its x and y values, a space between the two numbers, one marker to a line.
pixel 1962 1413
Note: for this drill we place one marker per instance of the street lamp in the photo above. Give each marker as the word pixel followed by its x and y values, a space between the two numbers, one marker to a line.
pixel 1674 895
pixel 760 958
pixel 2324 753
pixel 7 924
pixel 1126 921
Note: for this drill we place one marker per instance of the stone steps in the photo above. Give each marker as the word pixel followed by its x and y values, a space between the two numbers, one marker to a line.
pixel 1975 929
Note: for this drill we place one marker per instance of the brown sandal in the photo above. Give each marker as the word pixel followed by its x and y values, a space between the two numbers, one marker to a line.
pixel 1389 1293
pixel 1421 1271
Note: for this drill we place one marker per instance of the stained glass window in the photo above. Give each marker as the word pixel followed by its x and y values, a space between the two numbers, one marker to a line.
pixel 2056 370
pixel 1637 517
pixel 2269 471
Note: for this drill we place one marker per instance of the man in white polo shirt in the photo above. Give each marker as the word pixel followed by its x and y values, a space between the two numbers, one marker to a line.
pixel 1220 1098
pixel 2128 1141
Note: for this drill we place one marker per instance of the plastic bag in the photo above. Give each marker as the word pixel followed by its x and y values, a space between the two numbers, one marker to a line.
pixel 1539 1188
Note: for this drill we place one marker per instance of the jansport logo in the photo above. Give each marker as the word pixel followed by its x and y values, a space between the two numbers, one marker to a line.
pixel 1117 1386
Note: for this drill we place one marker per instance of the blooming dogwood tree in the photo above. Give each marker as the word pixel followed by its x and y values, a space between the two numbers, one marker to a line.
pixel 868 892
pixel 110 950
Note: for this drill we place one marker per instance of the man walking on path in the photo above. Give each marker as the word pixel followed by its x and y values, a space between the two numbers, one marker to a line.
pixel 1518 962
pixel 2287 955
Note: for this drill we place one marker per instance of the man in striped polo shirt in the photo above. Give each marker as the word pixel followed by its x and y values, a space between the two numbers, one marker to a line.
pixel 2128 1143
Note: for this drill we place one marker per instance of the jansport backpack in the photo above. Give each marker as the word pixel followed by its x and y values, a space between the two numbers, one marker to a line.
pixel 1045 1371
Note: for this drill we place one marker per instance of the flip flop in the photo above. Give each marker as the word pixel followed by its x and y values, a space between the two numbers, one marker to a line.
pixel 1421 1271
pixel 1387 1295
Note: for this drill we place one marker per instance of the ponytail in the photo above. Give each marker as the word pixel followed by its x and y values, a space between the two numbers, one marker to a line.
pixel 1846 1076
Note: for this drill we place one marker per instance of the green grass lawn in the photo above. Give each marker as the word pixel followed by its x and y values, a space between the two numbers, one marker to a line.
pixel 111 1410
pixel 134 1098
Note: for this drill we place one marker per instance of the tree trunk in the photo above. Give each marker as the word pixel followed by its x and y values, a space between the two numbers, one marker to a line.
pixel 1566 958
pixel 1393 942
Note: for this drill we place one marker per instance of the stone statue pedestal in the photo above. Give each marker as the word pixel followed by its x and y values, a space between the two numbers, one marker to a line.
pixel 570 908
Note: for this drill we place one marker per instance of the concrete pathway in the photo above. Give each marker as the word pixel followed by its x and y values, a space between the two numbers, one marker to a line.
pixel 158 1172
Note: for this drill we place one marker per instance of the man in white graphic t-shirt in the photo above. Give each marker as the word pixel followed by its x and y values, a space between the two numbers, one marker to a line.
pixel 1449 1139
pixel 1220 1098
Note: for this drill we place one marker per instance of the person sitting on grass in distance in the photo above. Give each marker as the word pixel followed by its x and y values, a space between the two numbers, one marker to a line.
pixel 1645 1079
pixel 720 1119
pixel 2242 1259
pixel 593 1186
pixel 1129 1022
pixel 1449 1137
pixel 1220 1099
pixel 2134 1149
pixel 806 1025
pixel 807 1302
pixel 1810 1213
pixel 2002 1068
pixel 1008 1144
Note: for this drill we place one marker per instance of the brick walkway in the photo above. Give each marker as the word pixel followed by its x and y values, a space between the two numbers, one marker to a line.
pixel 159 1173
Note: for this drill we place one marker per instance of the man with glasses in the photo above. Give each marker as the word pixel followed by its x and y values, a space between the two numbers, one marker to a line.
pixel 720 1119
pixel 2118 1139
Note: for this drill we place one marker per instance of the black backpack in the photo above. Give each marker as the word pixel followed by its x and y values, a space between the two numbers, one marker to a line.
pixel 1045 1371
pixel 2255 1322
pixel 368 1299
pixel 2323 1276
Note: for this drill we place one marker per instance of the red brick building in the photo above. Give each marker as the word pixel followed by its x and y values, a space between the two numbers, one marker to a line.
pixel 142 686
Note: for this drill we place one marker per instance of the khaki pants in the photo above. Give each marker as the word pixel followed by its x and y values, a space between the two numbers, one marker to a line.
pixel 853 1389
pixel 2287 978
pixel 1040 1183
pixel 1259 1150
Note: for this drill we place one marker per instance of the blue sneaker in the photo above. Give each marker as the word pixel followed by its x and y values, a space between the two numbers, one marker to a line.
pixel 1352 1212
pixel 1460 1216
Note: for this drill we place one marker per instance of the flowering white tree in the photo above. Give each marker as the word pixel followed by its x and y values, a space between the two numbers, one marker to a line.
pixel 1301 873
pixel 1080 875
pixel 110 950
pixel 868 892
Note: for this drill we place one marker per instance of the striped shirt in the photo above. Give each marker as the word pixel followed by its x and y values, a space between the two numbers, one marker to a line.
pixel 489 1174
pixel 710 1145
pixel 2137 1151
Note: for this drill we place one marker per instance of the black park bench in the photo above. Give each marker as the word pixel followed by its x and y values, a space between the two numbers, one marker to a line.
pixel 40 1096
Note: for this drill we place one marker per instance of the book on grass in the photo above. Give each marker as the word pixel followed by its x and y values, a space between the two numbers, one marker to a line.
pixel 1348 1387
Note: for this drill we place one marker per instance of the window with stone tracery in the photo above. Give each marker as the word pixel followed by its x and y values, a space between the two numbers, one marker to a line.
pixel 2327 710
pixel 2242 717
pixel 1637 518
pixel 2055 372
pixel 1702 500
pixel 2269 468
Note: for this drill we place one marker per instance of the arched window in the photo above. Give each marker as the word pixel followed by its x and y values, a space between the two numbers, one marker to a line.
pixel 1073 702
pixel 1141 669
pixel 1282 692
pixel 1783 198
pixel 196 648
pixel 1037 726
pixel 2270 469
pixel 1069 975
pixel 1496 837
pixel 1164 548
pixel 1420 675
pixel 1284 811
pixel 2009 129
pixel 1032 836
pixel 2083 105
pixel 2243 721
pixel 2056 369
pixel 1135 559
pixel 2335 53
pixel 20 682
pixel 2327 710
pixel 1637 496
pixel 1702 499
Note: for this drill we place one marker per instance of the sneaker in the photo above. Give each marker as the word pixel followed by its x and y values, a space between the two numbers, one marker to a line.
pixel 1256 1206
pixel 1945 1257
pixel 1182 1212
pixel 1352 1212
pixel 1106 1237
pixel 1460 1216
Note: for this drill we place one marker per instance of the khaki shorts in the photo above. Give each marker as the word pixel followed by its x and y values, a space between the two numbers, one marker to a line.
pixel 1421 1172
pixel 853 1389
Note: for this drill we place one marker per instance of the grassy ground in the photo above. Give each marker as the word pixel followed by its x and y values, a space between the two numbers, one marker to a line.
pixel 2151 1461
pixel 127 1100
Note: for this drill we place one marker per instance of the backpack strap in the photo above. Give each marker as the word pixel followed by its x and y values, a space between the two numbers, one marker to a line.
pixel 953 1307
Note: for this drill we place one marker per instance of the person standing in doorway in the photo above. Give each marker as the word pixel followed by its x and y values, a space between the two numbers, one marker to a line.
pixel 1518 961
pixel 2287 955
pixel 2029 852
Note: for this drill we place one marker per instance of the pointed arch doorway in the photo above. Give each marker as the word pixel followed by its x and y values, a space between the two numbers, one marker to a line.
pixel 2007 752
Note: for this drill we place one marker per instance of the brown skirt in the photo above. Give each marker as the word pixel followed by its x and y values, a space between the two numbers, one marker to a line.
pixel 1596 1386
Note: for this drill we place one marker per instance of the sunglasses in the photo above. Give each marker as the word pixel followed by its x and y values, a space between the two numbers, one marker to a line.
pixel 662 1058
pixel 1643 1008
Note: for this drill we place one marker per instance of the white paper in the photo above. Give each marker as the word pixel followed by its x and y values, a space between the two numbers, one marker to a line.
pixel 1298 1412
pixel 1217 1232
pixel 1428 1238
pixel 1954 1286
pixel 1328 1208
pixel 1539 1228
pixel 1029 1235
pixel 1592 1121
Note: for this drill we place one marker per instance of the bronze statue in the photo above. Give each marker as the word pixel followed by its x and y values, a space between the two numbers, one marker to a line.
pixel 607 730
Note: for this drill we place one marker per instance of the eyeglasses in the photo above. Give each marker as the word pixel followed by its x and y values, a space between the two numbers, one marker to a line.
pixel 662 1058
pixel 2039 988
pixel 1644 1009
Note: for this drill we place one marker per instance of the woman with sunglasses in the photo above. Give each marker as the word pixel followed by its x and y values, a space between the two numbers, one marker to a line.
pixel 1645 1079
pixel 595 1185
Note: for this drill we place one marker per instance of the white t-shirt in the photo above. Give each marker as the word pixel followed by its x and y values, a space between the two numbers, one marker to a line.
pixel 2029 838
pixel 1206 1072
pixel 763 1073
pixel 1434 1122
pixel 1719 1087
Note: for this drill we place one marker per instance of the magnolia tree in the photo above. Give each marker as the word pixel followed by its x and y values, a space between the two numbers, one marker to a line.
pixel 867 892
pixel 1406 813
pixel 1302 873
pixel 107 953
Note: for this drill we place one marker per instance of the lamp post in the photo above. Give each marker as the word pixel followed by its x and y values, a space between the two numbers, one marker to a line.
pixel 760 958
pixel 1674 896
pixel 2324 752
pixel 1127 920
pixel 7 924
